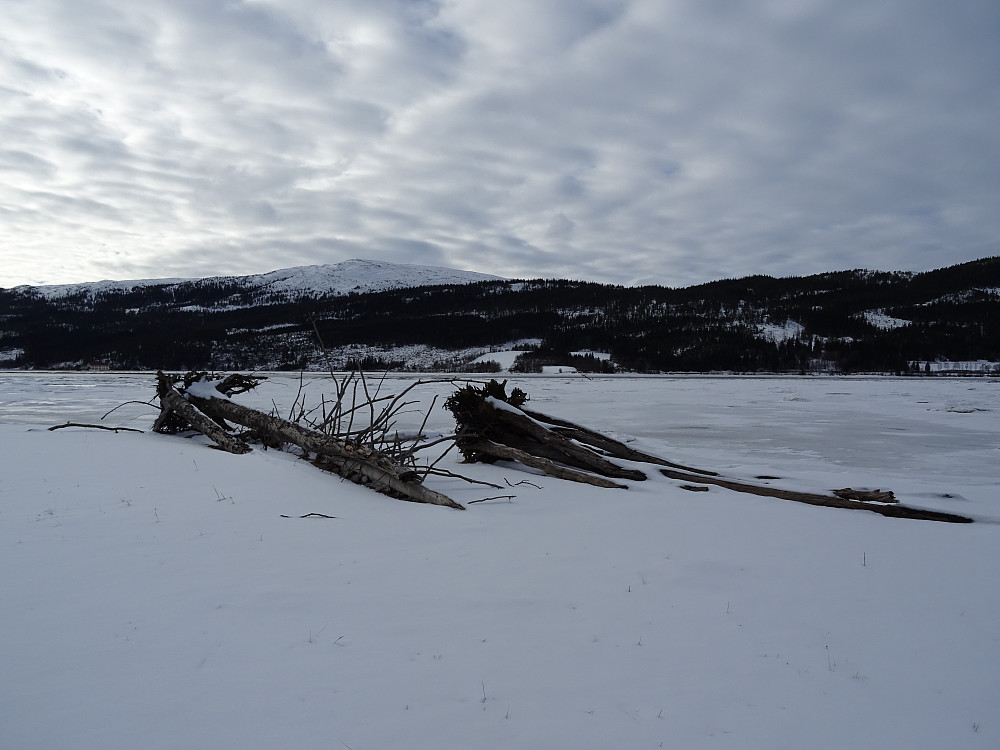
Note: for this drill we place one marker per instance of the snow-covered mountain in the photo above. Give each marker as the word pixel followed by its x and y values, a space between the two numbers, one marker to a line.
pixel 358 276
pixel 362 276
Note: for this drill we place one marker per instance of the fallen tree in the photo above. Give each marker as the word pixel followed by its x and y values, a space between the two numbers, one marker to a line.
pixel 838 499
pixel 495 451
pixel 494 425
pixel 206 406
pixel 611 447
pixel 353 436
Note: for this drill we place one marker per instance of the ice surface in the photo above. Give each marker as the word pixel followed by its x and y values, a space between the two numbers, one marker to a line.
pixel 154 595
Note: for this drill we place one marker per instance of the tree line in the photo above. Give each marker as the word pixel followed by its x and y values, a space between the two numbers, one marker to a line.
pixel 847 321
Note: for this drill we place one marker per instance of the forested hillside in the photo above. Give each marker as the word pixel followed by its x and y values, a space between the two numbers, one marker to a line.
pixel 849 321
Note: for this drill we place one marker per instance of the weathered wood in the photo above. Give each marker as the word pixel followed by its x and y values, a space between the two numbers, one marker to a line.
pixel 171 399
pixel 870 496
pixel 609 445
pixel 501 423
pixel 506 452
pixel 342 456
pixel 94 427
pixel 162 417
pixel 403 489
pixel 893 511
pixel 575 455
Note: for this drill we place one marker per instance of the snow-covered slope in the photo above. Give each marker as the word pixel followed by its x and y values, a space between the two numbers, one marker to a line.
pixel 94 288
pixel 361 276
pixel 340 278
pixel 880 319
pixel 778 332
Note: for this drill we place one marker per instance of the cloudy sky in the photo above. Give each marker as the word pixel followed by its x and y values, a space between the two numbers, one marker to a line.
pixel 626 141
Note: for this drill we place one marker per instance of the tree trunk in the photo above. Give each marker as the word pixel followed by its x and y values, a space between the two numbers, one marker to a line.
pixel 170 399
pixel 512 426
pixel 342 456
pixel 609 445
pixel 893 511
pixel 506 452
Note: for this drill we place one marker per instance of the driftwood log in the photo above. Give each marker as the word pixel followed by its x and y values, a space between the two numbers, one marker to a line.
pixel 604 443
pixel 342 457
pixel 553 469
pixel 828 501
pixel 207 413
pixel 494 425
pixel 870 496
pixel 174 405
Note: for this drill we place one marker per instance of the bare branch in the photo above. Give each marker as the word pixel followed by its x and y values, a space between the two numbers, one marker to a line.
pixel 523 481
pixel 445 473
pixel 126 403
pixel 95 427
pixel 486 499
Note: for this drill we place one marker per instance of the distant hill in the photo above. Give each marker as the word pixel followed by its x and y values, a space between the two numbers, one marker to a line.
pixel 289 284
pixel 387 316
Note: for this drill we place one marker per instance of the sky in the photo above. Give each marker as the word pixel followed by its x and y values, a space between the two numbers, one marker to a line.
pixel 622 141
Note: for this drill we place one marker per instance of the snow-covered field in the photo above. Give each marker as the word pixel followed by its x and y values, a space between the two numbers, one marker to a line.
pixel 154 595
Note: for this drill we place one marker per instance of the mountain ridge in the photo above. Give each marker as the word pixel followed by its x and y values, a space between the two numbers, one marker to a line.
pixel 356 275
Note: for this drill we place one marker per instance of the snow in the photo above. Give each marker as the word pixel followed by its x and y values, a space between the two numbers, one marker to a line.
pixel 505 359
pixel 362 276
pixel 206 389
pixel 94 288
pixel 155 596
pixel 777 333
pixel 504 406
pixel 963 295
pixel 416 356
pixel 509 354
pixel 879 319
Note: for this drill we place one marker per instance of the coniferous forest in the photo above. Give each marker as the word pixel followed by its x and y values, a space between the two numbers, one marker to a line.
pixel 847 322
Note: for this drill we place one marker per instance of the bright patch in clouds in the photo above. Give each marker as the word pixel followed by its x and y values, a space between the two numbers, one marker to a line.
pixel 620 141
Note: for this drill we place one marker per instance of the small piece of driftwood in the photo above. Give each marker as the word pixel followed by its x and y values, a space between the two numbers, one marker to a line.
pixel 94 427
pixel 867 496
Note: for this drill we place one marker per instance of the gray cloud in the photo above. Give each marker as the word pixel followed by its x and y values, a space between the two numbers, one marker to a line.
pixel 632 141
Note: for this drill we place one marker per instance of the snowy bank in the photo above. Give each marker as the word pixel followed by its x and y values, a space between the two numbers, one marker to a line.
pixel 160 594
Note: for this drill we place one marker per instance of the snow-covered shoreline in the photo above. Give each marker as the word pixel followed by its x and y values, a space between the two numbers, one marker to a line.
pixel 156 597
